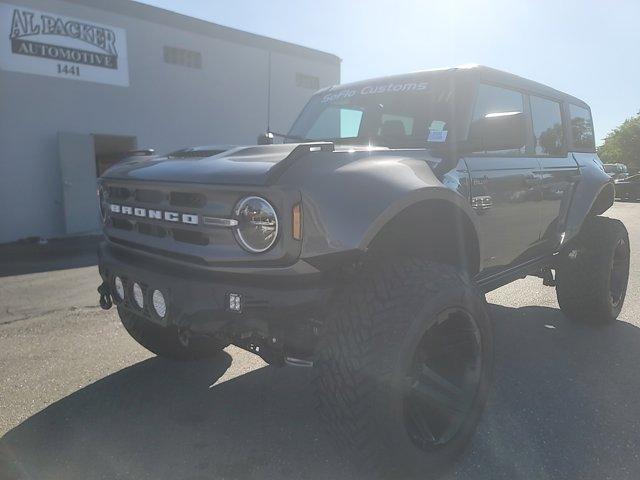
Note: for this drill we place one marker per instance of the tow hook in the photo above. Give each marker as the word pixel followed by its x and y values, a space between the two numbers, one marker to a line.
pixel 548 279
pixel 105 296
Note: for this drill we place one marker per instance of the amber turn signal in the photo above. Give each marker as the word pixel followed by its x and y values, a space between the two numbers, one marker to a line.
pixel 296 218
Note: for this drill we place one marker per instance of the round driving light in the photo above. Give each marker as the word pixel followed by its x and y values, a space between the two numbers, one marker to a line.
pixel 117 282
pixel 159 304
pixel 257 229
pixel 138 296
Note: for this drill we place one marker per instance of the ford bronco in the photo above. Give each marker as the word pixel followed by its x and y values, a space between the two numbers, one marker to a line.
pixel 364 243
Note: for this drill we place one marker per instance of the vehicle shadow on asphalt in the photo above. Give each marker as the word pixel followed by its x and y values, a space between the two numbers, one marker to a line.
pixel 22 258
pixel 564 406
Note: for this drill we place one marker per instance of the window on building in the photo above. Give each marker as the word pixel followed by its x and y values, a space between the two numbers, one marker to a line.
pixel 547 126
pixel 582 128
pixel 182 57
pixel 307 81
pixel 493 100
pixel 336 122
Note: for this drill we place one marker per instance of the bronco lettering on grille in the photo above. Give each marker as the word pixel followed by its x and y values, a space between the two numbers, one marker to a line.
pixel 175 217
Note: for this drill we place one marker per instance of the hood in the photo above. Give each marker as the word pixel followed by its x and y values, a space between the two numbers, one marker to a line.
pixel 251 165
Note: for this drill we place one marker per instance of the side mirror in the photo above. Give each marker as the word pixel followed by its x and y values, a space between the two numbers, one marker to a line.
pixel 265 138
pixel 498 131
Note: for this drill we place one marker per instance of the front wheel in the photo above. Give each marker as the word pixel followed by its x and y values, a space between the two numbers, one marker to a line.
pixel 166 341
pixel 405 366
pixel 593 271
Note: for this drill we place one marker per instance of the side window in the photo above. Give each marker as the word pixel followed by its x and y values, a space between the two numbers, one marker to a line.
pixel 582 128
pixel 495 101
pixel 547 126
pixel 402 124
pixel 336 122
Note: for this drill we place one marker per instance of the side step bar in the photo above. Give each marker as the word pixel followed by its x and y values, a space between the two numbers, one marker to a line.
pixel 531 267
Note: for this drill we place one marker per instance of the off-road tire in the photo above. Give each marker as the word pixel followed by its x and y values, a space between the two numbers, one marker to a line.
pixel 371 330
pixel 164 342
pixel 584 271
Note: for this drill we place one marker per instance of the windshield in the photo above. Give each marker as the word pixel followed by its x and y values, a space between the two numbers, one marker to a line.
pixel 398 114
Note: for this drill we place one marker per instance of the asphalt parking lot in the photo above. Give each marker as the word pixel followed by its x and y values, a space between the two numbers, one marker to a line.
pixel 79 399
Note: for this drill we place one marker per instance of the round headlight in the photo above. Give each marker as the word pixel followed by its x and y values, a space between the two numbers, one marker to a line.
pixel 138 296
pixel 257 229
pixel 117 282
pixel 159 304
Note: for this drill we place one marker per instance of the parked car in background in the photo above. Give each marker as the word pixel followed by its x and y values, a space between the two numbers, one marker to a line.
pixel 616 170
pixel 628 188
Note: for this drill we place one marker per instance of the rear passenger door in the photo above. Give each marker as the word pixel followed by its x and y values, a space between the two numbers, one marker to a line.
pixel 505 187
pixel 558 169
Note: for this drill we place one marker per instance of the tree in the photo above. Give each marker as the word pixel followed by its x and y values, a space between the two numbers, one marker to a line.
pixel 622 145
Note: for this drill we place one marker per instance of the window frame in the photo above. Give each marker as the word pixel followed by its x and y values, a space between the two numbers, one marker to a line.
pixel 564 151
pixel 525 110
pixel 529 147
pixel 571 146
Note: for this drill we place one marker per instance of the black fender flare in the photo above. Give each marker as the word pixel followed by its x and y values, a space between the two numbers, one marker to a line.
pixel 414 197
pixel 593 195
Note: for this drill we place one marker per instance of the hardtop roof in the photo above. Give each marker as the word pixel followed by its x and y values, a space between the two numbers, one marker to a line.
pixel 481 72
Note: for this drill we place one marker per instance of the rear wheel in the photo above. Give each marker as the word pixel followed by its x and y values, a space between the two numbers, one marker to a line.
pixel 404 366
pixel 168 342
pixel 593 272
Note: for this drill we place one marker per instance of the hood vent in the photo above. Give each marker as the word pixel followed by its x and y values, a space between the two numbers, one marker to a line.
pixel 196 153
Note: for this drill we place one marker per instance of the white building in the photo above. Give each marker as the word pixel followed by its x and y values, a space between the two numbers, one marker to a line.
pixel 84 81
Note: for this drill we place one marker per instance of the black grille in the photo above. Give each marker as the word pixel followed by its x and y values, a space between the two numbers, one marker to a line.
pixel 153 230
pixel 190 236
pixel 122 224
pixel 119 193
pixel 187 199
pixel 149 196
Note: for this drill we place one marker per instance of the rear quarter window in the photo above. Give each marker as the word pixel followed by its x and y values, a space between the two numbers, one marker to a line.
pixel 547 126
pixel 582 129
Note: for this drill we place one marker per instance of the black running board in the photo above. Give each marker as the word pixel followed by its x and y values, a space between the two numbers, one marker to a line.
pixel 531 267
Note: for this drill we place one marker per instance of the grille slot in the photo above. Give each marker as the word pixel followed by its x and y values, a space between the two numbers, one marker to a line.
pixel 190 236
pixel 153 230
pixel 149 196
pixel 187 199
pixel 122 224
pixel 119 193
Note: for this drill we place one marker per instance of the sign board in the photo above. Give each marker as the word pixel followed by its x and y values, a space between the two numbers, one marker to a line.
pixel 49 44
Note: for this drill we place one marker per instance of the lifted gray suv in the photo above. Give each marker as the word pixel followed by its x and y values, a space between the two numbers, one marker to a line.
pixel 363 246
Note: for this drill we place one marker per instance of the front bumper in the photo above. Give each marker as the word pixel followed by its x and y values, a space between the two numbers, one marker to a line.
pixel 199 300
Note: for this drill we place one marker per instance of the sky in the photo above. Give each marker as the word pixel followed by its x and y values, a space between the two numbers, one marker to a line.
pixel 587 48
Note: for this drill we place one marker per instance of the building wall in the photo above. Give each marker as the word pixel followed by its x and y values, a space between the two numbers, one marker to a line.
pixel 165 106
